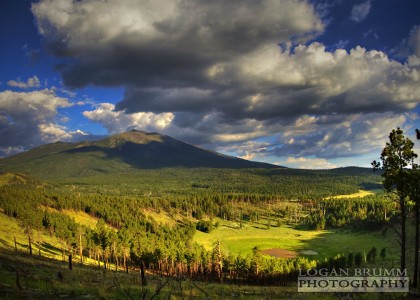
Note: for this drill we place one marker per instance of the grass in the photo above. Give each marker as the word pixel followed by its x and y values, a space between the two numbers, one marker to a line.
pixel 87 220
pixel 81 218
pixel 25 277
pixel 162 217
pixel 10 229
pixel 9 178
pixel 327 243
pixel 241 241
pixel 333 242
pixel 359 194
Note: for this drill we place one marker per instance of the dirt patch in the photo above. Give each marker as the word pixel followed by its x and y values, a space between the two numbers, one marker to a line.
pixel 280 253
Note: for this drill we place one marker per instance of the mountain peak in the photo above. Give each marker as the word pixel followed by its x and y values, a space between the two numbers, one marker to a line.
pixel 132 136
pixel 133 149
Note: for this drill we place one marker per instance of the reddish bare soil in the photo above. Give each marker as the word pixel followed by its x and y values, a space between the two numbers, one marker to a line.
pixel 281 253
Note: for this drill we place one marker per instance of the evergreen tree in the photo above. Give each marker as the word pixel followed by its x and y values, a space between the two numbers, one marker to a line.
pixel 396 156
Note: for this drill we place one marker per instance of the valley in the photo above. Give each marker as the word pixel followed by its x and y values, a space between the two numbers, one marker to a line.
pixel 197 227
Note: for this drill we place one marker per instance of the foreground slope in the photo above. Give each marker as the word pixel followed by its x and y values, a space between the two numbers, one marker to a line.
pixel 121 152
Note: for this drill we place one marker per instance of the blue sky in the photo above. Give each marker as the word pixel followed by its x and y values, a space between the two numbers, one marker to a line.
pixel 307 84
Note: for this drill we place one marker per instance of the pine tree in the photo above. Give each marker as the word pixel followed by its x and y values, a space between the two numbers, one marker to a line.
pixel 396 156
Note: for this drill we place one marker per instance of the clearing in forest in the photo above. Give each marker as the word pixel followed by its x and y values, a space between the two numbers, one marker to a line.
pixel 359 194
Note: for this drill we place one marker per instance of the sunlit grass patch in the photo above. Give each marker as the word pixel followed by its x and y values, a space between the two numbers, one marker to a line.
pixel 327 243
pixel 10 230
pixel 359 194
pixel 81 217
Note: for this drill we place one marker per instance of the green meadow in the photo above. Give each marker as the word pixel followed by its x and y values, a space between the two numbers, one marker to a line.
pixel 327 243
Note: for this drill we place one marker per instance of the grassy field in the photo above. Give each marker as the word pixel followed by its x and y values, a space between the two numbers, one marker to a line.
pixel 359 194
pixel 327 243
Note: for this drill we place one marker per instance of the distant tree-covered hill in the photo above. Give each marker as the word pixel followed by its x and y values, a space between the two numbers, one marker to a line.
pixel 122 152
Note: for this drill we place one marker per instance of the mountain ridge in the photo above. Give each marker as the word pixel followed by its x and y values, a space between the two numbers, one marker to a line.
pixel 123 151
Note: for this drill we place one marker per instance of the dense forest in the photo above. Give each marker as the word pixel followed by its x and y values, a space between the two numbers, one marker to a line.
pixel 125 238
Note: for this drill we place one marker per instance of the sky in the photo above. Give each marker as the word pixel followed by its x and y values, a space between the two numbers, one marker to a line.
pixel 304 84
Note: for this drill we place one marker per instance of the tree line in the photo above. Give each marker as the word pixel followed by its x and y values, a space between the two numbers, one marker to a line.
pixel 368 213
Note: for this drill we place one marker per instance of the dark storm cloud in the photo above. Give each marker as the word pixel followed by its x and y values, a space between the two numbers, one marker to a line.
pixel 213 71
pixel 164 43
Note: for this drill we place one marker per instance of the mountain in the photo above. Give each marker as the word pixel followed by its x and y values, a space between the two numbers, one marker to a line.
pixel 121 152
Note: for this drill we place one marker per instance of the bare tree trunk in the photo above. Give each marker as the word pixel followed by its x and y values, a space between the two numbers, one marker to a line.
pixel 70 261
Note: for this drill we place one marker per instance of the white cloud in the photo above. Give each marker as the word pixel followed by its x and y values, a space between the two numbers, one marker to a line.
pixel 339 136
pixel 30 119
pixel 311 79
pixel 33 82
pixel 360 11
pixel 51 132
pixel 35 105
pixel 249 150
pixel 409 48
pixel 118 121
pixel 27 118
pixel 6 151
pixel 307 163
pixel 248 156
pixel 95 23
pixel 413 41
